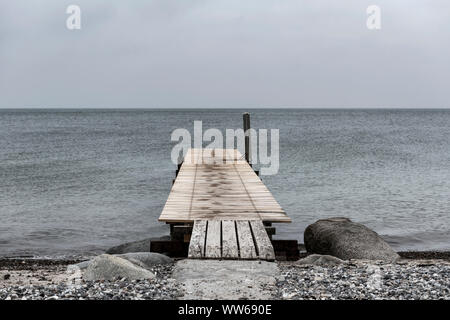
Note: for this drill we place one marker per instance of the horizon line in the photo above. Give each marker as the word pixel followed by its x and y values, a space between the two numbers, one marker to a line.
pixel 226 108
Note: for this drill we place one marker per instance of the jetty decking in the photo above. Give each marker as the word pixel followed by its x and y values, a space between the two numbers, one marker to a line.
pixel 230 239
pixel 219 184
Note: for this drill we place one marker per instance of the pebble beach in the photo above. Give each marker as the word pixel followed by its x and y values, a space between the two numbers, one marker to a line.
pixel 408 279
pixel 415 280
pixel 36 280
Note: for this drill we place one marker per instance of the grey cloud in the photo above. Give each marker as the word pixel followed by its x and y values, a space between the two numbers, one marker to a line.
pixel 224 53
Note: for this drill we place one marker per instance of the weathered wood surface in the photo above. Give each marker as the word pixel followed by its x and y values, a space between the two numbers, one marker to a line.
pixel 230 239
pixel 197 243
pixel 246 243
pixel 262 241
pixel 218 184
pixel 230 248
pixel 213 239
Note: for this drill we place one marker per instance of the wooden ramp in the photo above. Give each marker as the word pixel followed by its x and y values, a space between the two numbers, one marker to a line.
pixel 218 192
pixel 230 239
pixel 218 184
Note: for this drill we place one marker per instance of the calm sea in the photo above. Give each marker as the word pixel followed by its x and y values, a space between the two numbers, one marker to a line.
pixel 75 182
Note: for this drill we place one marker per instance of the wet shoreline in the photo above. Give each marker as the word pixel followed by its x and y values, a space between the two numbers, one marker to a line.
pixel 418 275
pixel 29 263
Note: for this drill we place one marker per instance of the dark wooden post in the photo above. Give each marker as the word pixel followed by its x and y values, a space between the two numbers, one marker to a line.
pixel 247 136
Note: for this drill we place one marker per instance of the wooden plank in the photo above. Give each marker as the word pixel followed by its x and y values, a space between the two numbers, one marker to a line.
pixel 229 240
pixel 213 241
pixel 245 240
pixel 197 243
pixel 262 241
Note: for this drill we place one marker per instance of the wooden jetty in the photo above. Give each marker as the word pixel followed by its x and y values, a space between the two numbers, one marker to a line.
pixel 218 192
pixel 219 208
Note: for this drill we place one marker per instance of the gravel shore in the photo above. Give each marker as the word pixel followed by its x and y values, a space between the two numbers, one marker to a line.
pixel 409 279
pixel 54 282
pixel 366 280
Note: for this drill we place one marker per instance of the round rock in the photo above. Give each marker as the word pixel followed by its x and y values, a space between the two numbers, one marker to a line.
pixel 345 239
pixel 108 267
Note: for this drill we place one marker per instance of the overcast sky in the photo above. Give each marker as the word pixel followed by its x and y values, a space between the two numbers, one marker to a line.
pixel 224 53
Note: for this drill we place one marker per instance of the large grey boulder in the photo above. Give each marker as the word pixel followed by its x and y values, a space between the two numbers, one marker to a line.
pixel 142 259
pixel 342 238
pixel 135 246
pixel 321 260
pixel 107 267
